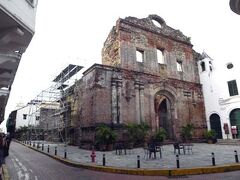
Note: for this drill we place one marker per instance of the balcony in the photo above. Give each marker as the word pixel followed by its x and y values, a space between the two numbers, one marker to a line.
pixel 17 27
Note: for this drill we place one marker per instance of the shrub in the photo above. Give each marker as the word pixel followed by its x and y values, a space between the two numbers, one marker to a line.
pixel 187 132
pixel 160 135
pixel 137 132
pixel 105 135
pixel 210 134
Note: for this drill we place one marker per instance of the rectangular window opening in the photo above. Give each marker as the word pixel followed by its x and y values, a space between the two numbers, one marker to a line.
pixel 139 55
pixel 232 87
pixel 179 66
pixel 160 56
pixel 24 116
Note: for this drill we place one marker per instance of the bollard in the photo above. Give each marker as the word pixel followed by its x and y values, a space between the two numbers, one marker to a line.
pixel 213 159
pixel 138 161
pixel 30 143
pixel 177 161
pixel 236 156
pixel 65 153
pixel 48 148
pixel 33 144
pixel 55 150
pixel 42 146
pixel 38 145
pixel 104 160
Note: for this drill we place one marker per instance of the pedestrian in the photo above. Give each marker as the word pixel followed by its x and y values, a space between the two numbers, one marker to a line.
pixel 7 141
pixel 2 156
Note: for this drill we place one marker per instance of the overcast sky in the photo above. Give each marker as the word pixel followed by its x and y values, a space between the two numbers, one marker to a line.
pixel 73 31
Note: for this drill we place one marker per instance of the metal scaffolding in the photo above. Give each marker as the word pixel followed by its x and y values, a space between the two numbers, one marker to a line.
pixel 48 117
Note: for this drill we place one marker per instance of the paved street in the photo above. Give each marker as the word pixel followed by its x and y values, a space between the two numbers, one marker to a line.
pixel 26 164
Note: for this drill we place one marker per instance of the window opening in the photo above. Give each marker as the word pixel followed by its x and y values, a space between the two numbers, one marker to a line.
pixel 24 116
pixel 229 65
pixel 139 55
pixel 232 87
pixel 160 56
pixel 179 66
pixel 156 23
pixel 203 66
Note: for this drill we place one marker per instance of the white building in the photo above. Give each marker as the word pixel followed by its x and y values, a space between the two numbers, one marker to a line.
pixel 27 115
pixel 17 27
pixel 221 82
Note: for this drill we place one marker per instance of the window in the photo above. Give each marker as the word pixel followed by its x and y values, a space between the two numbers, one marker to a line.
pixel 229 65
pixel 232 87
pixel 24 116
pixel 179 65
pixel 160 56
pixel 139 55
pixel 156 23
pixel 37 118
pixel 203 66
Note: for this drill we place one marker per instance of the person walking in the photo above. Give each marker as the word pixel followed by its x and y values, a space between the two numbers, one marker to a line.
pixel 2 155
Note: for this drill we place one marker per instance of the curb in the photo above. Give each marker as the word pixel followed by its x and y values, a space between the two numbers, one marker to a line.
pixel 145 172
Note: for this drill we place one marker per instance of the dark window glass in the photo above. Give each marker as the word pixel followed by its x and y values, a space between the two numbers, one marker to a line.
pixel 230 66
pixel 232 87
pixel 203 66
pixel 24 116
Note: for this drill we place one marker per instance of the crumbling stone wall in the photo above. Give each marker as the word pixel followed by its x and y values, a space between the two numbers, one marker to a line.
pixel 131 34
pixel 123 90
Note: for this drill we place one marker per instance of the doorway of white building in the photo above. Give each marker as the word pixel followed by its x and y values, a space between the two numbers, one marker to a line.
pixel 215 124
pixel 235 120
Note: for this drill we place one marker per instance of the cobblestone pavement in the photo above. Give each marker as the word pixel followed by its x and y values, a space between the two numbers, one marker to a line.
pixel 201 156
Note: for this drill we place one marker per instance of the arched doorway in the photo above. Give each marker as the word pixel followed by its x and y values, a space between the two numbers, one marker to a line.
pixel 235 120
pixel 215 124
pixel 163 114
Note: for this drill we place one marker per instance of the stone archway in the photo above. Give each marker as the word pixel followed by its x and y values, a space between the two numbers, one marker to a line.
pixel 235 120
pixel 164 113
pixel 215 124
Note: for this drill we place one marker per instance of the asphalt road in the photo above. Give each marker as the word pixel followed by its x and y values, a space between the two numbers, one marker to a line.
pixel 26 164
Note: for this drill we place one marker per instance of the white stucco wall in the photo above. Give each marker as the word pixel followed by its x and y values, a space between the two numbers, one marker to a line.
pixel 31 112
pixel 22 11
pixel 215 90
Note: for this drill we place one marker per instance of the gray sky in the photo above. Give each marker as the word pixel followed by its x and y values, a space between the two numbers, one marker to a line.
pixel 72 31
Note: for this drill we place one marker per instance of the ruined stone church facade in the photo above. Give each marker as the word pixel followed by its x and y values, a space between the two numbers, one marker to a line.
pixel 148 74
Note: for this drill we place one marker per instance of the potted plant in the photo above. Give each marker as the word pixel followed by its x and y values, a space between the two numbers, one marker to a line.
pixel 211 136
pixel 137 132
pixel 187 132
pixel 160 135
pixel 105 137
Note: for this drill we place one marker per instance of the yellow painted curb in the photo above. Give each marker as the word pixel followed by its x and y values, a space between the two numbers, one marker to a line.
pixel 146 172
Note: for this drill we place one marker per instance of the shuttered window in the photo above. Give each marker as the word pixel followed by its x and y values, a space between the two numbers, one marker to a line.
pixel 232 87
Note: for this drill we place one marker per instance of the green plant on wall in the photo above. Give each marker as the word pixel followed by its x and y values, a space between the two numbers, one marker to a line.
pixel 187 132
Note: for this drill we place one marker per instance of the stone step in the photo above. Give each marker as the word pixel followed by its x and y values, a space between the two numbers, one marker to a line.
pixel 229 141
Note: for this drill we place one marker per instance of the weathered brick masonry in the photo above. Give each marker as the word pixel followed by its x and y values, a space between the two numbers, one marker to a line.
pixel 123 90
